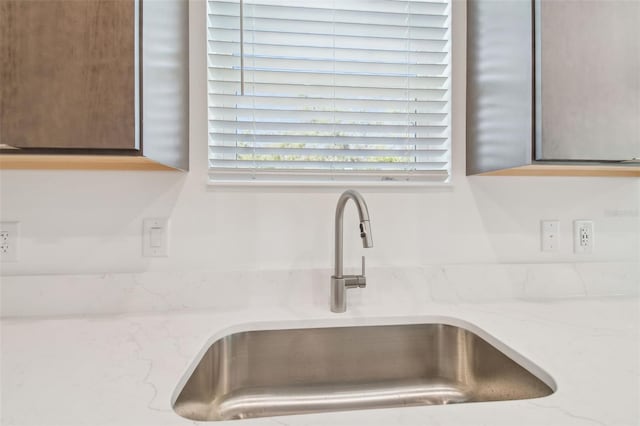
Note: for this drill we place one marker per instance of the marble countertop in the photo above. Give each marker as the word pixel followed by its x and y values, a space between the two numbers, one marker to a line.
pixel 124 369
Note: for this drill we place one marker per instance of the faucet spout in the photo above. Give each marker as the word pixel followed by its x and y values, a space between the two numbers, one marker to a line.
pixel 340 282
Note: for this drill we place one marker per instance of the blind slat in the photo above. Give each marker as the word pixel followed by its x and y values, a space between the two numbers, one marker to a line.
pixel 329 104
pixel 363 41
pixel 307 78
pixel 344 84
pixel 343 117
pixel 221 47
pixel 367 11
pixel 362 93
pixel 336 152
pixel 289 128
pixel 396 28
pixel 319 64
pixel 339 148
pixel 347 140
pixel 342 165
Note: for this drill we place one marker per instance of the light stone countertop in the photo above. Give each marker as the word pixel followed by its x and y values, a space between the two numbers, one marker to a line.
pixel 124 369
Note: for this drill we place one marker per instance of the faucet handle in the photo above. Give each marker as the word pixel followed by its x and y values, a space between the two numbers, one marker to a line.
pixel 353 281
pixel 362 279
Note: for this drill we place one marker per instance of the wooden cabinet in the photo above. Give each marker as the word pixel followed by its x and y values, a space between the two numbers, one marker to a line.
pixel 71 88
pixel 67 75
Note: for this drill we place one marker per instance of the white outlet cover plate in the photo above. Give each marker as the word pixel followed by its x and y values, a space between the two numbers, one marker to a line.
pixel 9 240
pixel 158 246
pixel 583 236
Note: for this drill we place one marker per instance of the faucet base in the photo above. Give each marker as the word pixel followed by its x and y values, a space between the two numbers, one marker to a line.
pixel 339 288
pixel 338 295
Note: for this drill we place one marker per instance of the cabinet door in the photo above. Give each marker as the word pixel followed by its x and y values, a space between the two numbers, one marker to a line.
pixel 67 74
pixel 588 88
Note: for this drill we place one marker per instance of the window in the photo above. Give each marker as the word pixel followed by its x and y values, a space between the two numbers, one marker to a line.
pixel 342 90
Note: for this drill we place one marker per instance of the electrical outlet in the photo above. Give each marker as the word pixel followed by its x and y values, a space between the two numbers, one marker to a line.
pixel 549 235
pixel 9 232
pixel 583 236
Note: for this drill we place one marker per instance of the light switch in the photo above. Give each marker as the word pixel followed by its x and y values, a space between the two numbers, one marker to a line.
pixel 549 235
pixel 155 237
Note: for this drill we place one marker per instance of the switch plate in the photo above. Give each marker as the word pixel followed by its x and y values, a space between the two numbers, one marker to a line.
pixel 9 235
pixel 155 237
pixel 550 235
pixel 583 236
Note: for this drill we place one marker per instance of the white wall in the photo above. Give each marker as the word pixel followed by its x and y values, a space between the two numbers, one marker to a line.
pixel 90 222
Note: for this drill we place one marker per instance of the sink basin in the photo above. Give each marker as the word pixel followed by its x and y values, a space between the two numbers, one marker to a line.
pixel 281 372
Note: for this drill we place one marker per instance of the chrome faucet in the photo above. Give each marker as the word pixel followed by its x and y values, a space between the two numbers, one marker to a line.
pixel 340 283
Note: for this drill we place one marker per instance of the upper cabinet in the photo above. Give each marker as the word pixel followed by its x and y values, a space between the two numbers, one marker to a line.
pixel 71 81
pixel 553 87
pixel 68 74
pixel 588 80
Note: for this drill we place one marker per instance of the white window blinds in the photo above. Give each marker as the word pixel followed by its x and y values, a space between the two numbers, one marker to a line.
pixel 354 90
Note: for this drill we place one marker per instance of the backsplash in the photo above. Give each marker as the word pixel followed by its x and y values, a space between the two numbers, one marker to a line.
pixel 308 290
pixel 91 223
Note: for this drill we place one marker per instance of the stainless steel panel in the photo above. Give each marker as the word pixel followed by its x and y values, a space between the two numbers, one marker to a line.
pixel 165 82
pixel 587 80
pixel 279 372
pixel 499 84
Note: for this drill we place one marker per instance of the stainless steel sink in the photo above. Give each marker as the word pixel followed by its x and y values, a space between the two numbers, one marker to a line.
pixel 280 372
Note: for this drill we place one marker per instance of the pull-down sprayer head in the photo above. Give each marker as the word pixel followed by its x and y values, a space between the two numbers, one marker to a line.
pixel 365 234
